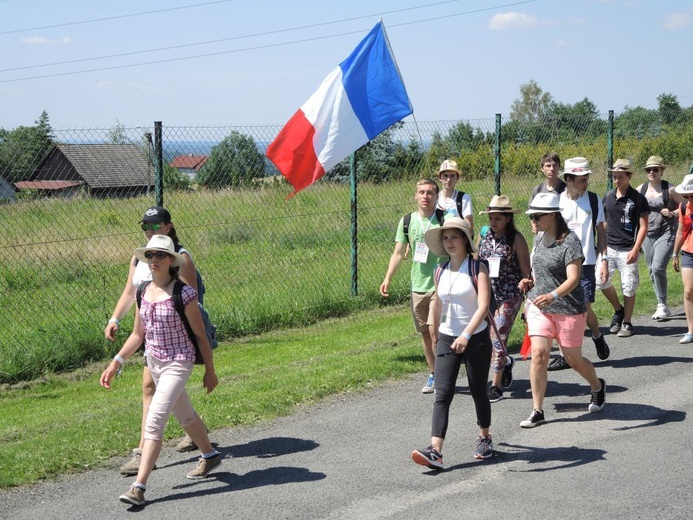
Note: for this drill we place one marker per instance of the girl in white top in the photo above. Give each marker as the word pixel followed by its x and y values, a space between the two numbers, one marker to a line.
pixel 460 310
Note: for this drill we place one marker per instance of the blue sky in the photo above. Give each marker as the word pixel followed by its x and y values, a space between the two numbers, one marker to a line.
pixel 462 59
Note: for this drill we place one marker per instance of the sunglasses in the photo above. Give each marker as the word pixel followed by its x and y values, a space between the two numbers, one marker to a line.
pixel 653 170
pixel 159 255
pixel 150 227
pixel 536 216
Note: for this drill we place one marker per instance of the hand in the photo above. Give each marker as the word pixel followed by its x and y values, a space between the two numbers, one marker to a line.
pixel 667 213
pixel 459 345
pixel 543 300
pixel 209 380
pixel 632 257
pixel 675 263
pixel 526 284
pixel 384 288
pixel 109 374
pixel 110 331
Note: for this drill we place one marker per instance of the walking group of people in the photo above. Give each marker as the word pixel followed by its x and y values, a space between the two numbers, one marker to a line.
pixel 466 293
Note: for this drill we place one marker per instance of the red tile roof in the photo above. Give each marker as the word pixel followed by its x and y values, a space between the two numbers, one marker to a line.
pixel 193 162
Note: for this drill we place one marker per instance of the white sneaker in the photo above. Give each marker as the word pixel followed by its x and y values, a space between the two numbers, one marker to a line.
pixel 662 312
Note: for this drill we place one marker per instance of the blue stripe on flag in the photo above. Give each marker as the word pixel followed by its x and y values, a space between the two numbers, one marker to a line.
pixel 373 85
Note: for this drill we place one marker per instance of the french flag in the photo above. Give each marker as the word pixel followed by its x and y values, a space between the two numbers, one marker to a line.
pixel 362 97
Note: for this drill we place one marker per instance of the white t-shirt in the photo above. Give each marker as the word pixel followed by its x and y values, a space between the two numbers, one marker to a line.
pixel 458 301
pixel 578 215
pixel 449 204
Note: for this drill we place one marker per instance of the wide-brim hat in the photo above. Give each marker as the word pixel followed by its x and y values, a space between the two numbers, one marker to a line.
pixel 622 165
pixel 156 215
pixel 434 236
pixel 686 186
pixel 577 166
pixel 160 243
pixel 449 166
pixel 499 204
pixel 544 203
pixel 655 161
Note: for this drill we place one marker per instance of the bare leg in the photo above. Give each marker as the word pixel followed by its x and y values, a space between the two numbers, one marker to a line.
pixel 628 305
pixel 428 349
pixel 610 294
pixel 541 348
pixel 687 278
pixel 592 321
pixel 150 452
pixel 582 366
pixel 148 389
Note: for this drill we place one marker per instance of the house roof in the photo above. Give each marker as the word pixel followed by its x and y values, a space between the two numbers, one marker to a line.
pixel 46 185
pixel 103 165
pixel 192 162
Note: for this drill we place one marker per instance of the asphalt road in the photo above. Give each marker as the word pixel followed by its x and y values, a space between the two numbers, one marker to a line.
pixel 348 457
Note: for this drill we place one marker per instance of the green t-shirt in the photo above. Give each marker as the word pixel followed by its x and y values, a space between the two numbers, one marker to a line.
pixel 421 273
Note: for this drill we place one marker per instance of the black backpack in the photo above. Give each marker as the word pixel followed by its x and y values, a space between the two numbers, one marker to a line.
pixel 439 213
pixel 177 297
pixel 665 192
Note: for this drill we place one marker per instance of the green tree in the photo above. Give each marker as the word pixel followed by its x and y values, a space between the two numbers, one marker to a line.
pixel 669 108
pixel 637 122
pixel 532 104
pixel 117 134
pixel 22 149
pixel 235 161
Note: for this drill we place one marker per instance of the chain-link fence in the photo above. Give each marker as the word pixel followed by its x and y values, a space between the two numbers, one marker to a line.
pixel 267 261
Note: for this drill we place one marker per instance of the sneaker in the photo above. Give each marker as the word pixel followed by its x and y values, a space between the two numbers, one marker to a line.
pixel 495 394
pixel 535 419
pixel 558 363
pixel 507 377
pixel 430 457
pixel 186 444
pixel 132 466
pixel 687 338
pixel 626 330
pixel 616 321
pixel 601 346
pixel 204 466
pixel 484 448
pixel 662 313
pixel 598 398
pixel 429 386
pixel 134 496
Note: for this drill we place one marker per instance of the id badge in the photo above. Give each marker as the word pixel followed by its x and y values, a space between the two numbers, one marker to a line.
pixel 494 266
pixel 444 312
pixel 421 254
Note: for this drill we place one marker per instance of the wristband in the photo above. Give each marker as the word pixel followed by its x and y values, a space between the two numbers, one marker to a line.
pixel 114 320
pixel 675 255
pixel 605 258
pixel 466 335
pixel 554 295
pixel 119 359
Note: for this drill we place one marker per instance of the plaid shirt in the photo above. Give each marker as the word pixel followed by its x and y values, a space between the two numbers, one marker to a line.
pixel 164 332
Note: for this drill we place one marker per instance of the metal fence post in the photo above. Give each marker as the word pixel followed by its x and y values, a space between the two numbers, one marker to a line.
pixel 354 227
pixel 497 153
pixel 158 164
pixel 610 150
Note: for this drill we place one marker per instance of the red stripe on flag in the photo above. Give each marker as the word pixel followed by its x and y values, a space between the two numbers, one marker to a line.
pixel 293 153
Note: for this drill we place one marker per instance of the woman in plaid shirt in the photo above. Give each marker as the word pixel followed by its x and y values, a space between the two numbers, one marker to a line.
pixel 170 359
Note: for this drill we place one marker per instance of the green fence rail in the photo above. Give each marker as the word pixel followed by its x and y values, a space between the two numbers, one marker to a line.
pixel 69 231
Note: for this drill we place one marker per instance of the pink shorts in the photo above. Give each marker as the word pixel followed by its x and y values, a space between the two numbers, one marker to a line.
pixel 567 329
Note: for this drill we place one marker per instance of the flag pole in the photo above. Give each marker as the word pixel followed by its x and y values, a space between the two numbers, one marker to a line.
pixel 394 60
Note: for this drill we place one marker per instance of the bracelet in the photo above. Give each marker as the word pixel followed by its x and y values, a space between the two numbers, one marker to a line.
pixel 114 320
pixel 554 294
pixel 119 360
pixel 605 258
pixel 675 255
pixel 466 335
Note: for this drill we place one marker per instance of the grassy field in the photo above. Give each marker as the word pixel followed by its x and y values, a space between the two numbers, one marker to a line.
pixel 268 263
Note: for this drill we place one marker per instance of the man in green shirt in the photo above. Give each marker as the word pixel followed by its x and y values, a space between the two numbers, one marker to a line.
pixel 410 231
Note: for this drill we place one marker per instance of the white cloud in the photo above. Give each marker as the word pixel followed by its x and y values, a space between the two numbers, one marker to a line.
pixel 512 20
pixel 563 43
pixel 36 40
pixel 40 40
pixel 678 20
